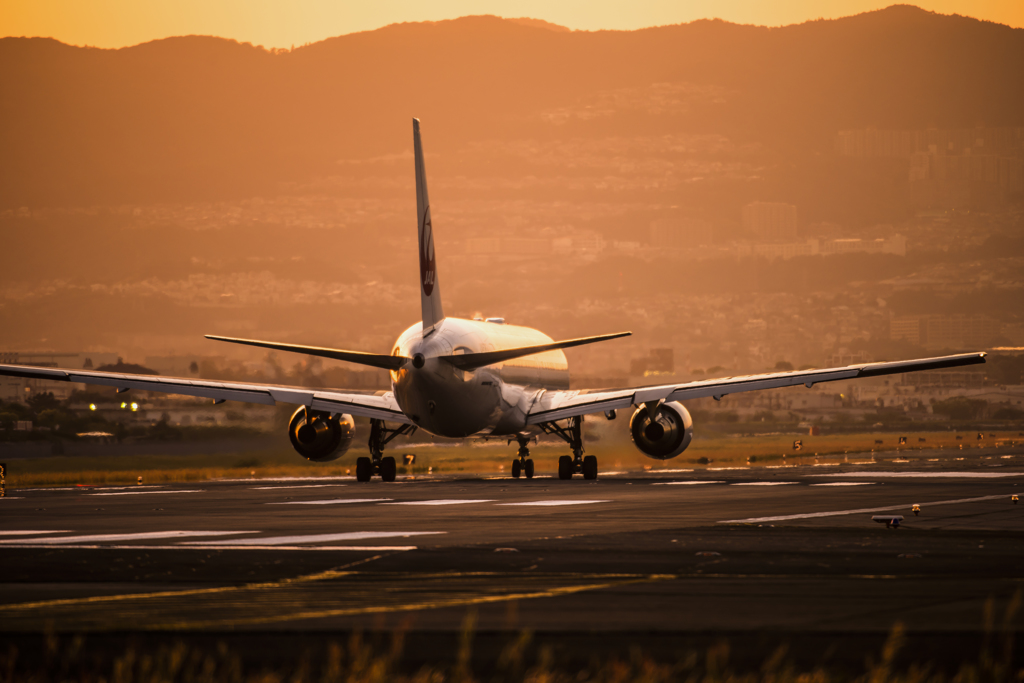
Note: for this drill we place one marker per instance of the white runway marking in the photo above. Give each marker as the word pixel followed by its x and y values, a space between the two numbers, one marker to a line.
pixel 314 538
pixel 667 471
pixel 333 501
pixel 346 548
pixel 137 493
pixel 764 483
pixel 554 503
pixel 452 501
pixel 255 480
pixel 122 488
pixel 722 469
pixel 927 475
pixel 837 513
pixel 30 533
pixel 297 486
pixel 847 483
pixel 144 536
pixel 684 483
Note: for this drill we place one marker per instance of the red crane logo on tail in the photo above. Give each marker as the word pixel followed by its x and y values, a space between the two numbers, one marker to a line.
pixel 428 268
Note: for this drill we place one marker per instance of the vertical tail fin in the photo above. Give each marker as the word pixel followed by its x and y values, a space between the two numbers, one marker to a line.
pixel 430 292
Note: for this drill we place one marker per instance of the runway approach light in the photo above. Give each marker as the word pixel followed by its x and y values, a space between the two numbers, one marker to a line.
pixel 92 406
pixel 1014 498
pixel 135 406
pixel 916 509
pixel 890 521
pixel 123 405
pixel 140 481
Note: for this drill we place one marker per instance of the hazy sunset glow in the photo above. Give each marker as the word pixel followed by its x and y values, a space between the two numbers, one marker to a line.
pixel 275 23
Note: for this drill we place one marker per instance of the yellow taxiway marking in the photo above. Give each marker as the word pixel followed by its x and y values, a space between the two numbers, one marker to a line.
pixel 319 576
pixel 408 607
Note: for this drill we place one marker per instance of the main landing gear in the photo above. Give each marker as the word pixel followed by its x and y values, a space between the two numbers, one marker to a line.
pixel 524 463
pixel 572 435
pixel 380 436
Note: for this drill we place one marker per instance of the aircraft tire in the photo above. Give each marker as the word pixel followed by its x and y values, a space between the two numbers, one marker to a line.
pixel 388 469
pixel 590 467
pixel 516 467
pixel 364 469
pixel 565 467
pixel 528 468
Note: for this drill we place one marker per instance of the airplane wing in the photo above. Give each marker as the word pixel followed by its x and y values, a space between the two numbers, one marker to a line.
pixel 379 405
pixel 559 405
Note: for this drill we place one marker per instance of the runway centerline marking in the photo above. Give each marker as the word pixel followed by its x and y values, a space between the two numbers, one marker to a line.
pixel 837 513
pixel 684 483
pixel 138 493
pixel 443 501
pixel 143 536
pixel 31 533
pixel 763 483
pixel 554 503
pixel 314 538
pixel 333 501
pixel 846 483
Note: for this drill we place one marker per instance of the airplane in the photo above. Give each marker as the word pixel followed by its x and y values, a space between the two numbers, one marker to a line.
pixel 453 377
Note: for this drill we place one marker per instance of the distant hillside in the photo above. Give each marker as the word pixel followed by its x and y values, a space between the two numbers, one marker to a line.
pixel 205 118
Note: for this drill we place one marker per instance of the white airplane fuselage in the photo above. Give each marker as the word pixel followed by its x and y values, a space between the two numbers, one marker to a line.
pixel 446 401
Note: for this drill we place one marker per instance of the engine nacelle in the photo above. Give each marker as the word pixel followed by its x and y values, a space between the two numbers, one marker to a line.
pixel 323 438
pixel 667 435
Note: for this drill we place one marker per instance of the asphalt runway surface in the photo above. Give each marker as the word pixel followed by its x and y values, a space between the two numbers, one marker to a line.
pixel 758 556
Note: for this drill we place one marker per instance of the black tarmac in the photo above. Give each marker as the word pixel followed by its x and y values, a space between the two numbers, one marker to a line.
pixel 666 560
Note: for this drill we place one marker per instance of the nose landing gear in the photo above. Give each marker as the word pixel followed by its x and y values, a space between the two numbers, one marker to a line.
pixel 380 436
pixel 524 463
pixel 572 435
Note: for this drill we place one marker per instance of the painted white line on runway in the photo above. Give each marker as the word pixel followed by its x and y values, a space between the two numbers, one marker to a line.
pixel 451 501
pixel 612 474
pixel 314 538
pixel 297 486
pixel 684 483
pixel 347 548
pixel 837 513
pixel 120 488
pixel 253 480
pixel 511 478
pixel 11 497
pixel 763 483
pixel 31 533
pixel 668 471
pixel 723 469
pixel 847 483
pixel 138 493
pixel 333 501
pixel 925 475
pixel 554 503
pixel 143 536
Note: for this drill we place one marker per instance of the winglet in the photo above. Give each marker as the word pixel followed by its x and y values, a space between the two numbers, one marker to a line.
pixel 430 292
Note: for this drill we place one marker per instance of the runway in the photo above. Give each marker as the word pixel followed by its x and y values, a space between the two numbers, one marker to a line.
pixel 760 554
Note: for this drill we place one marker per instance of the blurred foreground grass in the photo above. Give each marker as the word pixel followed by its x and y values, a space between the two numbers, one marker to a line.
pixel 521 659
pixel 612 446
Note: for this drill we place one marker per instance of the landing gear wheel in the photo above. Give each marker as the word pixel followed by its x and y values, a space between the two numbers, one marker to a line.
pixel 516 467
pixel 388 469
pixel 364 469
pixel 528 469
pixel 565 467
pixel 590 467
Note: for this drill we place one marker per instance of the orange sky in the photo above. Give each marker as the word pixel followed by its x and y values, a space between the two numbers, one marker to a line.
pixel 282 23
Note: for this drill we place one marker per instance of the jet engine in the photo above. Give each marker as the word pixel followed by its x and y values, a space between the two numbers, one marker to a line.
pixel 323 436
pixel 664 437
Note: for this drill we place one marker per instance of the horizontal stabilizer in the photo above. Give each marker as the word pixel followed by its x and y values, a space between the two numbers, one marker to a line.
pixel 375 360
pixel 470 361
